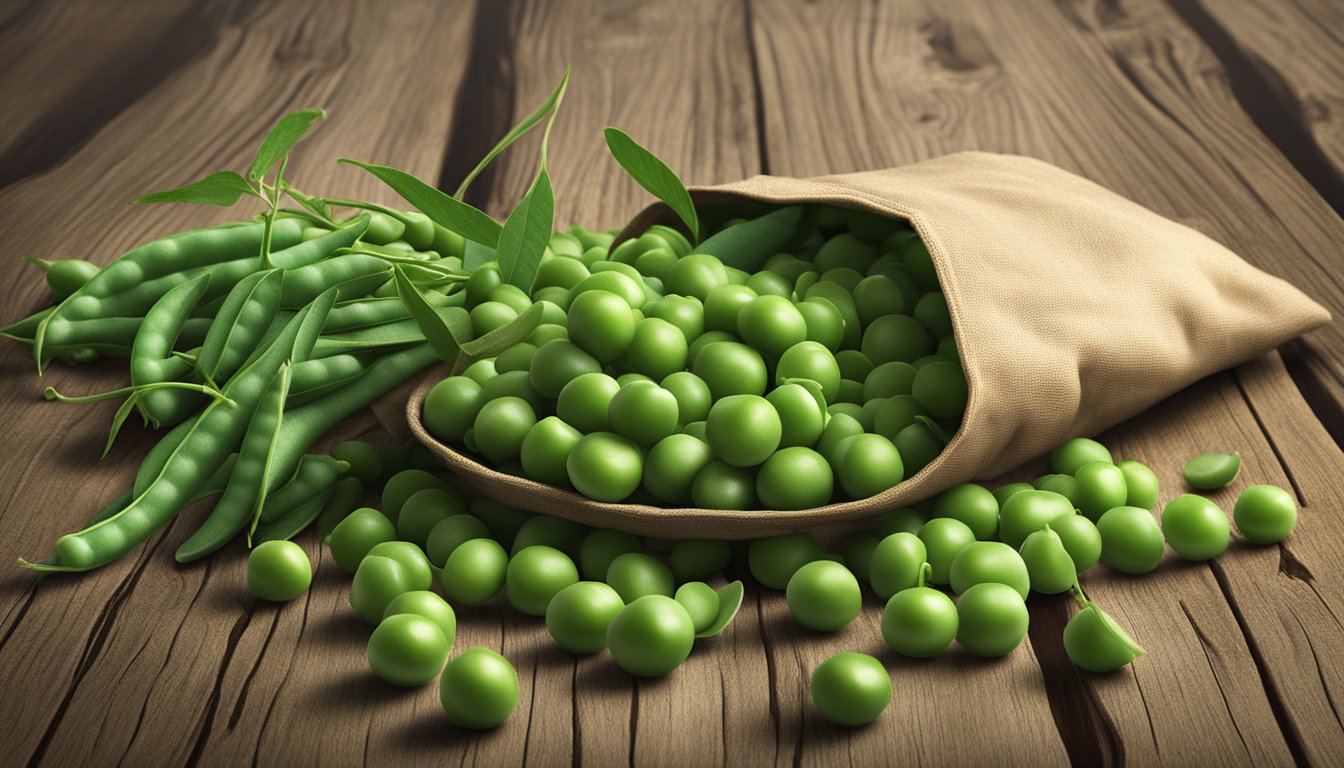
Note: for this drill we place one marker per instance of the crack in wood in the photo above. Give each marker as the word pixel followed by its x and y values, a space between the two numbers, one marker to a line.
pixel 1204 645
pixel 1320 672
pixel 212 703
pixel 771 675
pixel 1269 439
pixel 758 93
pixel 238 705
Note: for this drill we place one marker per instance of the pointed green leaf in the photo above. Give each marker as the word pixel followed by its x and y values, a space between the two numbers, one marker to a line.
pixel 527 233
pixel 517 132
pixel 222 188
pixel 747 245
pixel 447 212
pixel 654 176
pixel 432 324
pixel 282 137
pixel 505 336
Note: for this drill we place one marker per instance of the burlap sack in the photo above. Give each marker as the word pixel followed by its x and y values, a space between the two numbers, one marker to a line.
pixel 1073 309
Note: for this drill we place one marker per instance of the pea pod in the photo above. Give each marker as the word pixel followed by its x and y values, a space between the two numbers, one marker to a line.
pixel 238 327
pixel 209 440
pixel 353 275
pixel 321 376
pixel 296 505
pixel 152 360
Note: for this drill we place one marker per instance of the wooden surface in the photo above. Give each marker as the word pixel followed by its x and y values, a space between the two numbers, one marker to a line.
pixel 1223 114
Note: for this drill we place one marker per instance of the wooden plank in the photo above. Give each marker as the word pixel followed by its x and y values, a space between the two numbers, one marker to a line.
pixel 176 644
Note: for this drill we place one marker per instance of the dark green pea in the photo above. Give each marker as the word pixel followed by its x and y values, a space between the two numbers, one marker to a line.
pixel 672 466
pixel 853 364
pixel 636 574
pixel 918 446
pixel 857 549
pixel 901 519
pixel 878 295
pixel 896 337
pixel 550 531
pixel 426 509
pixel 600 547
pixel 889 380
pixel 405 484
pixel 366 462
pixel 773 560
pixel 475 571
pixel 825 323
pixel 693 559
pixel 723 486
pixel 941 388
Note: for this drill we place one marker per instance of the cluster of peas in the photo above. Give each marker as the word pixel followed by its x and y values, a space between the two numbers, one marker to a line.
pixel 663 376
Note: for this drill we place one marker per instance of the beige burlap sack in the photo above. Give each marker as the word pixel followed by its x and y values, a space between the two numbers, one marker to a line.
pixel 1073 309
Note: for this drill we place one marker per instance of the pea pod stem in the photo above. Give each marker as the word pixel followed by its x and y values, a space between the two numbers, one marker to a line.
pixel 926 573
pixel 50 393
pixel 40 263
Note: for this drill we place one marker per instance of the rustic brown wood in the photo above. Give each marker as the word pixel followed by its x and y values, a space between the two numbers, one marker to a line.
pixel 145 662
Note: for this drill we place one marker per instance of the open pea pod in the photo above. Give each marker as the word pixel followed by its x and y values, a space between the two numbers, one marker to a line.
pixel 730 600
pixel 152 359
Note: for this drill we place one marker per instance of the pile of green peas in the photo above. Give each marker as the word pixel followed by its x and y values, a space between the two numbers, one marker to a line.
pixel 661 375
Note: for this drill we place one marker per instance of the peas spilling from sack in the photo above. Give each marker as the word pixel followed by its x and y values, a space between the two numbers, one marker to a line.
pixel 793 357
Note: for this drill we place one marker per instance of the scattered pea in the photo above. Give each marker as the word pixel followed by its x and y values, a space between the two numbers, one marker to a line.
pixel 578 616
pixel 479 689
pixel 1211 471
pixel 992 620
pixel 850 689
pixel 823 595
pixel 1195 527
pixel 651 636
pixel 278 571
pixel 919 621
pixel 1265 514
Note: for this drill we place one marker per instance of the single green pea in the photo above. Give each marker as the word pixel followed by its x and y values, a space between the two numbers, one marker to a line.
pixel 515 358
pixel 1131 541
pixel 1080 538
pixel 989 562
pixel 743 430
pixel 607 279
pixel 644 412
pixel 365 460
pixel 878 295
pixel 600 323
pixel 658 349
pixel 578 616
pixel 562 273
pixel 721 485
pixel 405 484
pixel 1211 471
pixel 896 337
pixel 408 650
pixel 419 574
pixel 731 368
pixel 839 427
pixel 919 621
pixel 479 689
pixel 585 401
pixel 696 275
pixel 870 466
pixel 1140 484
pixel 825 323
pixel 1101 486
pixel 600 547
pixel 1051 569
pixel 851 391
pixel 992 620
pixel 693 559
pixel 278 571
pixel 722 305
pixel 801 416
pixel 847 278
pixel 772 325
pixel 1004 492
pixel 651 636
pixel 794 478
pixel 656 262
pixel 901 519
pixel 1027 512
pixel 1265 514
pixel 555 364
pixel 850 689
pixel 376 583
pixel 931 312
pixel 896 563
pixel 636 574
pixel 854 365
pixel 545 451
pixel 889 380
pixel 1064 485
pixel 481 371
pixel 943 539
pixel 359 532
pixel 810 360
pixel 535 575
pixel 490 315
pixel 1074 453
pixel 845 250
pixel 941 388
pixel 475 571
pixel 823 595
pixel 544 333
pixel 700 601
pixel 549 531
pixel 672 465
pixel 774 559
pixel 918 445
pixel 1195 527
pixel 427 605
pixel 692 394
pixel 973 505
pixel 605 466
pixel 511 296
pixel 424 510
pixel 856 550
pixel 1095 642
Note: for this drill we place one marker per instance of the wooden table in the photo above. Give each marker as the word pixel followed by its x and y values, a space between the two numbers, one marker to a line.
pixel 1225 115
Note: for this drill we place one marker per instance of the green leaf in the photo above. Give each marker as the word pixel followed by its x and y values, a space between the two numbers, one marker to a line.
pixel 746 246
pixel 447 212
pixel 477 255
pixel 433 325
pixel 654 176
pixel 730 599
pixel 222 188
pixel 282 137
pixel 315 205
pixel 505 336
pixel 527 233
pixel 517 132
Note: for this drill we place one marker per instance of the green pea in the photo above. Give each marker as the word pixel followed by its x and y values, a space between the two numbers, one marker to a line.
pixel 901 519
pixel 825 323
pixel 366 462
pixel 723 486
pixel 516 358
pixel 774 559
pixel 1095 642
pixel 973 505
pixel 545 451
pixel 605 279
pixel 550 531
pixel 794 478
pixel 870 466
pixel 896 563
pixel 889 380
pixel 851 391
pixel 1074 453
pixel 919 621
pixel 405 484
pixel 636 574
pixel 850 689
pixel 626 379
pixel 696 275
pixel 1064 485
pixel 1195 527
pixel 427 605
pixel 490 315
pixel 450 533
pixel 1265 514
pixel 1140 484
pixel 658 349
pixel 478 689
pixel 656 262
pixel 941 388
pixel 278 571
pixel 845 250
pixel 359 532
pixel 931 311
pixel 731 368
pixel 585 401
pixel 693 559
pixel 1080 538
pixel 1131 541
pixel 854 365
pixel 918 446
pixel 672 465
pixel 562 273
pixel 943 539
pixel 651 636
pixel 377 581
pixel 878 295
pixel 989 562
pixel 535 575
pixel 810 360
pixel 856 550
pixel 600 547
pixel 644 412
pixel 772 325
pixel 896 337
pixel 578 616
pixel 600 323
pixel 412 559
pixel 1004 492
pixel 407 650
pixel 838 428
pixel 722 305
pixel 1029 511
pixel 475 571
pixel 701 603
pixel 481 371
pixel 823 595
pixel 1211 471
pixel 1101 486
pixel 743 430
pixel 605 467
pixel 424 510
pixel 692 394
pixel 992 620
pixel 1048 563
pixel 556 363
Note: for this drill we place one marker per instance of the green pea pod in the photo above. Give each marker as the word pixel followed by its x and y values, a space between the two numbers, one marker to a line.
pixel 152 361
pixel 310 328
pixel 26 329
pixel 238 328
pixel 321 376
pixel 211 438
pixel 354 275
pixel 367 313
pixel 298 502
pixel 396 333
pixel 317 249
pixel 65 276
